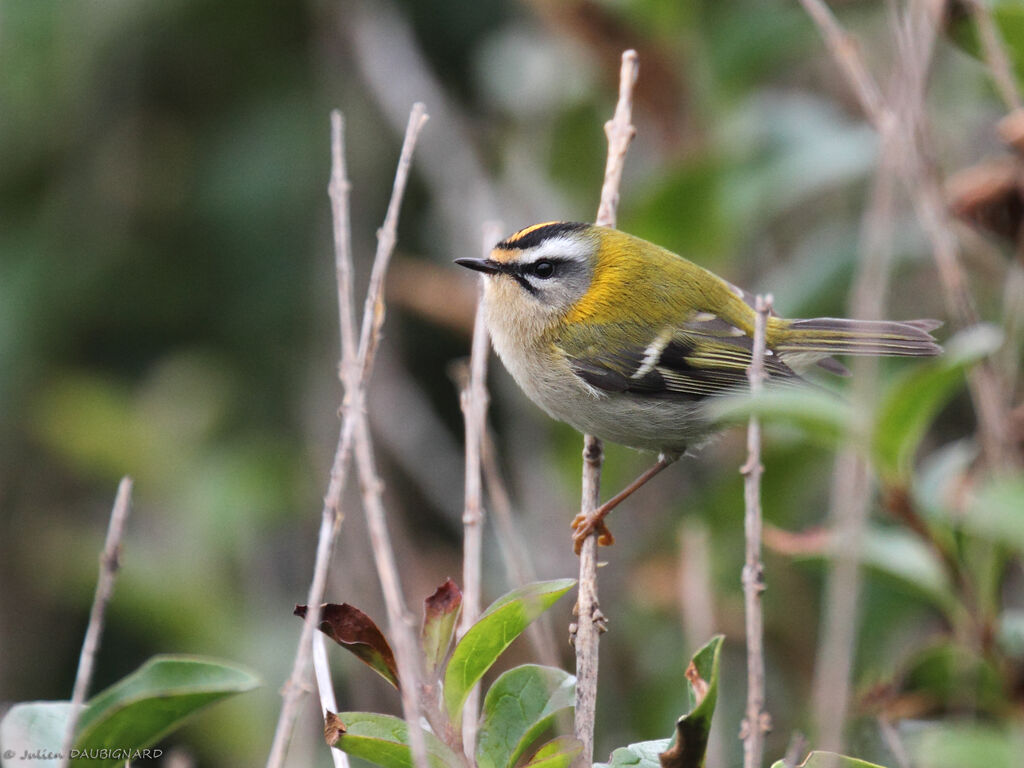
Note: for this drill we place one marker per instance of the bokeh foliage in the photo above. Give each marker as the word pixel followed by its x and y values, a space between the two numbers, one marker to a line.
pixel 167 311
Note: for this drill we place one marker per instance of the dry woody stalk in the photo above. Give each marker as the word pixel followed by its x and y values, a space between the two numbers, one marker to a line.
pixel 591 622
pixel 356 365
pixel 756 722
pixel 110 563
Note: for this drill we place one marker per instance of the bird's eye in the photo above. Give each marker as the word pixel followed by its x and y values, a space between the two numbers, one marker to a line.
pixel 544 269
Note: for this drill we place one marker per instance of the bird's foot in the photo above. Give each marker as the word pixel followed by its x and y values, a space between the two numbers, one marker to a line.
pixel 585 525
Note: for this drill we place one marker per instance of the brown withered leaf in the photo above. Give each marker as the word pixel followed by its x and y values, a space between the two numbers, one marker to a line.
pixel 682 753
pixel 333 728
pixel 357 633
pixel 990 197
pixel 440 614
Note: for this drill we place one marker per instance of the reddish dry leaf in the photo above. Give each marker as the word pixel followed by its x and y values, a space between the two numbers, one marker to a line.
pixel 440 615
pixel 356 632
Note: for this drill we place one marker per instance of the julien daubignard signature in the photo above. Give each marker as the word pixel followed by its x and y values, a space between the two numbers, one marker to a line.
pixel 99 753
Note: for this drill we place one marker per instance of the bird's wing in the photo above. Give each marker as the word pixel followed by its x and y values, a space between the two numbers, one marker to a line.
pixel 829 364
pixel 702 357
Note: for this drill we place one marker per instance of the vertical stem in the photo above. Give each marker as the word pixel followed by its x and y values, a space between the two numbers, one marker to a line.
pixel 756 722
pixel 850 495
pixel 474 400
pixel 356 364
pixel 620 132
pixel 328 703
pixel 109 566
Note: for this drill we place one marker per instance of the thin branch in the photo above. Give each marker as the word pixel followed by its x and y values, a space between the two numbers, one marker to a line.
pixel 355 371
pixel 514 554
pixel 994 49
pixel 474 399
pixel 399 619
pixel 797 744
pixel 110 563
pixel 919 178
pixel 756 723
pixel 328 703
pixel 591 621
pixel 847 55
pixel 850 502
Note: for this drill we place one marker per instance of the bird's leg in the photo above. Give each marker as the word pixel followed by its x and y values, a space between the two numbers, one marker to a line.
pixel 583 525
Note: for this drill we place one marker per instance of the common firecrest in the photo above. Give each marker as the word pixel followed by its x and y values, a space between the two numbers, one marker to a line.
pixel 627 341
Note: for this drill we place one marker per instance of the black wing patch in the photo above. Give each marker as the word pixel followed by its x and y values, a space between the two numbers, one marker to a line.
pixel 685 367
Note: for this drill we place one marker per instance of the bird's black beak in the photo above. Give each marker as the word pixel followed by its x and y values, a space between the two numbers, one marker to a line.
pixel 487 266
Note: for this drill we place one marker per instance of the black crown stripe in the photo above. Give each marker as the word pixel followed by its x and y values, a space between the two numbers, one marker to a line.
pixel 538 233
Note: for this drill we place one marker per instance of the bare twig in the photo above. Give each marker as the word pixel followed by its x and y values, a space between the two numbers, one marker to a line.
pixel 474 399
pixel 322 672
pixel 844 50
pixel 995 54
pixel 850 500
pixel 797 744
pixel 756 722
pixel 892 740
pixel 925 193
pixel 355 371
pixel 620 132
pixel 399 619
pixel 517 560
pixel 109 565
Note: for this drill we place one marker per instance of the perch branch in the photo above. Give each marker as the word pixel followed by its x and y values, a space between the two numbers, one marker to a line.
pixel 110 563
pixel 474 399
pixel 756 722
pixel 620 132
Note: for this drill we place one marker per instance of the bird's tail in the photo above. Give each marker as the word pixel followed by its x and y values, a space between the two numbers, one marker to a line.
pixel 838 336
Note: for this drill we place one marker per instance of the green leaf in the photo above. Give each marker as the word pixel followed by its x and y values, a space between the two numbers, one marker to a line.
pixel 357 633
pixel 1009 18
pixel 687 749
pixel 902 555
pixel 520 705
pixel 912 403
pixel 950 677
pixel 151 702
pixel 692 729
pixel 967 746
pixel 557 753
pixel 132 714
pixel 36 726
pixel 829 760
pixel 821 414
pixel 995 512
pixel 643 754
pixel 440 613
pixel 890 550
pixel 384 740
pixel 499 625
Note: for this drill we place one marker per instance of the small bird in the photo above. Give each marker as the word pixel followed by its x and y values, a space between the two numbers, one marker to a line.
pixel 627 341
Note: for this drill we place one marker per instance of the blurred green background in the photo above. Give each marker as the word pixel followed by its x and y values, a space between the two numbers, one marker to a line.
pixel 167 311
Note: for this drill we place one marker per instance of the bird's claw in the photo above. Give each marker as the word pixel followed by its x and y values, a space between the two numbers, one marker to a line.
pixel 585 525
